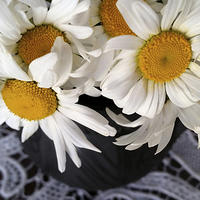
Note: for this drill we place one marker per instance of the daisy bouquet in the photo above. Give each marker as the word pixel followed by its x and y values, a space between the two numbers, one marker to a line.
pixel 143 55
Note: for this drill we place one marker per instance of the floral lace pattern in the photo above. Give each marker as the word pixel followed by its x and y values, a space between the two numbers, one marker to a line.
pixel 176 178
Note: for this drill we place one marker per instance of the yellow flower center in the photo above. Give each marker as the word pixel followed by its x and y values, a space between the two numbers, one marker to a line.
pixel 112 20
pixel 164 56
pixel 37 42
pixel 28 101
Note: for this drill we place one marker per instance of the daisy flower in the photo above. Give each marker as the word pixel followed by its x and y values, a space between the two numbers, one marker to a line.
pixel 107 22
pixel 105 14
pixel 31 28
pixel 160 63
pixel 34 100
pixel 158 130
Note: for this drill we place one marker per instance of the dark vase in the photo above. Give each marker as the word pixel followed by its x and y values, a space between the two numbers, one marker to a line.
pixel 114 167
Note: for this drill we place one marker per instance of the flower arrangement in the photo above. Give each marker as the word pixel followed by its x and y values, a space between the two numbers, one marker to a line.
pixel 143 55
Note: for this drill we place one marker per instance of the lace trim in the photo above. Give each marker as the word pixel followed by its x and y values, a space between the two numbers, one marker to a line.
pixel 176 178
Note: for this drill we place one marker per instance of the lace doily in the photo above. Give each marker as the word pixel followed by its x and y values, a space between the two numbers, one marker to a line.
pixel 176 178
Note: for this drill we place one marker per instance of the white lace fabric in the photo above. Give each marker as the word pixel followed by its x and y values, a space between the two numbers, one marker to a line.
pixel 176 178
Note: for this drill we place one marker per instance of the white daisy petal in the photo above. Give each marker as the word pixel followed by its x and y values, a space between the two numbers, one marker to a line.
pixel 48 80
pixel 190 116
pixel 94 20
pixel 177 95
pixel 154 126
pixel 98 67
pixel 170 114
pixel 149 106
pixel 89 89
pixel 45 126
pixel 118 90
pixel 182 114
pixel 30 127
pixel 88 118
pixel 157 130
pixel 136 98
pixel 142 25
pixel 8 1
pixel 83 52
pixel 195 39
pixel 52 130
pixel 39 10
pixel 64 64
pixel 13 121
pixel 84 70
pixel 64 139
pixel 149 132
pixel 121 120
pixel 117 84
pixel 193 31
pixel 171 11
pixel 195 68
pixel 6 41
pixel 166 136
pixel 125 54
pixel 133 146
pixel 59 9
pixel 82 7
pixel 103 66
pixel 137 135
pixel 9 68
pixel 20 11
pixel 5 114
pixel 162 97
pixel 39 66
pixel 93 92
pixel 187 90
pixel 193 83
pixel 88 112
pixel 71 150
pixel 195 49
pixel 100 41
pixel 179 22
pixel 192 19
pixel 123 42
pixel 58 143
pixel 78 16
pixel 122 102
pixel 73 133
pixel 80 32
pixel 195 4
pixel 67 97
pixel 8 29
pixel 154 141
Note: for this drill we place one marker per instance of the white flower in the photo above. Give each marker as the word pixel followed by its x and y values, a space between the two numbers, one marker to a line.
pixel 107 22
pixel 34 100
pixel 158 130
pixel 31 29
pixel 106 16
pixel 160 63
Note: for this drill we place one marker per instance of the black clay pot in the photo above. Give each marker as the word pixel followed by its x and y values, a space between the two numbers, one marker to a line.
pixel 114 167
